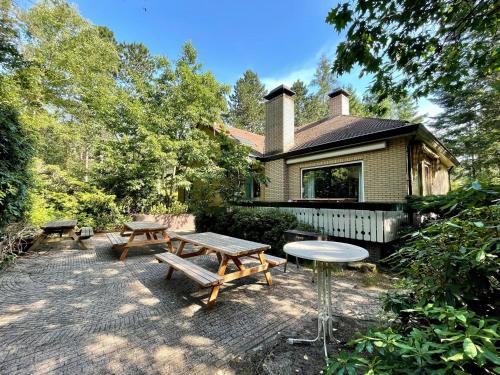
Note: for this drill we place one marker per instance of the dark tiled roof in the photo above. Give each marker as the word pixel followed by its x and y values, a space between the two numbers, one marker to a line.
pixel 342 128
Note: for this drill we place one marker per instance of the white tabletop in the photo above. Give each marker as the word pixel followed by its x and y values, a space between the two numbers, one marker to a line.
pixel 326 251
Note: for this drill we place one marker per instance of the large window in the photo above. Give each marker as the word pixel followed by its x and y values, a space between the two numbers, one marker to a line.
pixel 333 182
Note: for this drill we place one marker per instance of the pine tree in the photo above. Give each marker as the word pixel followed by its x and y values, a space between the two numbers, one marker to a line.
pixel 246 103
pixel 468 125
pixel 323 83
pixel 304 108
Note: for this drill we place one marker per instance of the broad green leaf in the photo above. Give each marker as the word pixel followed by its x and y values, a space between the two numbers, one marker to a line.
pixel 469 348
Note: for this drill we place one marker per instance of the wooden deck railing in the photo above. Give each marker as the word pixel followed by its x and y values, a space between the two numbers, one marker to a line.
pixel 373 225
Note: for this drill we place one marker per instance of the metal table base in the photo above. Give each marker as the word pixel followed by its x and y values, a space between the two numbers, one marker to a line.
pixel 325 317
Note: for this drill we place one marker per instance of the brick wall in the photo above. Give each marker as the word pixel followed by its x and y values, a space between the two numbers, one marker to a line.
pixel 385 177
pixel 277 189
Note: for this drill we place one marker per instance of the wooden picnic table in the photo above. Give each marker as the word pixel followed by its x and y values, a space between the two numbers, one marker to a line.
pixel 155 234
pixel 227 249
pixel 62 227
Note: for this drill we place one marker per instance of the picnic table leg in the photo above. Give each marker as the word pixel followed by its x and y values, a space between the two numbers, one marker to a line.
pixel 178 253
pixel 38 241
pixel 238 263
pixel 215 289
pixel 124 253
pixel 262 260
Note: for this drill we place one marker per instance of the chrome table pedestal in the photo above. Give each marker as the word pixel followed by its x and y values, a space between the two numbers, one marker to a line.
pixel 325 316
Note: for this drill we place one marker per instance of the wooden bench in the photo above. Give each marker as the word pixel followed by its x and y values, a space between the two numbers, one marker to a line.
pixel 272 260
pixel 203 277
pixel 86 233
pixel 116 240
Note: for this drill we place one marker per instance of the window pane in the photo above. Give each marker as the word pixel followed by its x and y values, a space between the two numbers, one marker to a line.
pixel 335 182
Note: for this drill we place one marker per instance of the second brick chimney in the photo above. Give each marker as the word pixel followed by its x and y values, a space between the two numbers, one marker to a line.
pixel 338 104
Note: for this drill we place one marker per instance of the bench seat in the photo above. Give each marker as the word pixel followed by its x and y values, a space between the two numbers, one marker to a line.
pixel 200 275
pixel 272 260
pixel 86 233
pixel 116 240
pixel 275 261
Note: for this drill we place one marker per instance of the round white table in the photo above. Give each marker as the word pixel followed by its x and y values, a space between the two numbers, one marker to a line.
pixel 325 254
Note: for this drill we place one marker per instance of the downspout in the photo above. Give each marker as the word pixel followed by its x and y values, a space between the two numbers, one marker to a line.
pixel 409 167
pixel 410 164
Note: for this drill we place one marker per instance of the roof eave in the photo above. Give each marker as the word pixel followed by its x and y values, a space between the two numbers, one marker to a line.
pixel 435 143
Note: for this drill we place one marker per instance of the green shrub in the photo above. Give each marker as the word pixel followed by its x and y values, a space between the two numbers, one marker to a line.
pixel 260 225
pixel 473 195
pixel 455 261
pixel 451 341
pixel 447 315
pixel 16 152
pixel 58 195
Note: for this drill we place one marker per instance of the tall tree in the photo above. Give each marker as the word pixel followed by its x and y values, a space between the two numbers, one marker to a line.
pixel 469 124
pixel 246 106
pixel 16 150
pixel 304 104
pixel 405 108
pixel 422 45
pixel 323 83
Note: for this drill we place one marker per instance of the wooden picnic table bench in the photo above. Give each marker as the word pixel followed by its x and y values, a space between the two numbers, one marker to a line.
pixel 227 249
pixel 155 234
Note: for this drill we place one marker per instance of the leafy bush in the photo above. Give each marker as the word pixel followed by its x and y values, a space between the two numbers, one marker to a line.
pixel 452 341
pixel 15 153
pixel 58 195
pixel 447 320
pixel 474 195
pixel 455 261
pixel 174 208
pixel 265 226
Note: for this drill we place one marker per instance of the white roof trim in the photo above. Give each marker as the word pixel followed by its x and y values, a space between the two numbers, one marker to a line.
pixel 344 151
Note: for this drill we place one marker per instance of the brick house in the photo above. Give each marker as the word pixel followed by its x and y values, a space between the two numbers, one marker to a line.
pixel 343 157
pixel 348 176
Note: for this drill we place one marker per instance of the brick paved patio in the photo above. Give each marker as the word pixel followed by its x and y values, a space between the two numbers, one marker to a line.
pixel 71 311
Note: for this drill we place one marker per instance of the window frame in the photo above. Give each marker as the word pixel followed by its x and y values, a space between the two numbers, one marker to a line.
pixel 361 187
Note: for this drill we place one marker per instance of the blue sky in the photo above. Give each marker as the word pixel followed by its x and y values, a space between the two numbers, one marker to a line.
pixel 281 40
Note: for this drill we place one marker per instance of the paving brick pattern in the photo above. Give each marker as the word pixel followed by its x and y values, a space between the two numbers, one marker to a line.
pixel 70 311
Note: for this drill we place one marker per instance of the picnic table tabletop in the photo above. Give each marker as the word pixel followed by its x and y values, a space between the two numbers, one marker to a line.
pixel 230 246
pixel 144 226
pixel 60 224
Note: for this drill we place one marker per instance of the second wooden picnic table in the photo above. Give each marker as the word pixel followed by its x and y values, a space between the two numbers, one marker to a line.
pixel 155 233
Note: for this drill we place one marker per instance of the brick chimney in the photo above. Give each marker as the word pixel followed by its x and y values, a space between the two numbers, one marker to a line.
pixel 339 102
pixel 280 127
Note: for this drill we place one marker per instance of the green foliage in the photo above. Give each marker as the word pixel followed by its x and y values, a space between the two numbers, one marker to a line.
pixel 16 153
pixel 452 341
pixel 58 195
pixel 425 45
pixel 473 195
pixel 468 125
pixel 246 103
pixel 264 226
pixel 447 311
pixel 455 261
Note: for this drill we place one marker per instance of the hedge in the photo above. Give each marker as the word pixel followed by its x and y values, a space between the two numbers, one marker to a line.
pixel 265 226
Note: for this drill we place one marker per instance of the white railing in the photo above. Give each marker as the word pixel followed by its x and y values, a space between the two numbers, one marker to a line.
pixel 365 225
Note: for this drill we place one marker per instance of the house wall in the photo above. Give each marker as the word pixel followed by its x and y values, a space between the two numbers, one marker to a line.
pixel 385 174
pixel 277 188
pixel 439 174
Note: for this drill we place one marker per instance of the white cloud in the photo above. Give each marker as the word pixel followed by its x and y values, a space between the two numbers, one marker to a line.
pixel 305 74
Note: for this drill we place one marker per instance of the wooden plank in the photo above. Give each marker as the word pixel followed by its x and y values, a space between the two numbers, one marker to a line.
pixel 227 245
pixel 380 225
pixel 373 226
pixel 144 226
pixel 358 228
pixel 193 271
